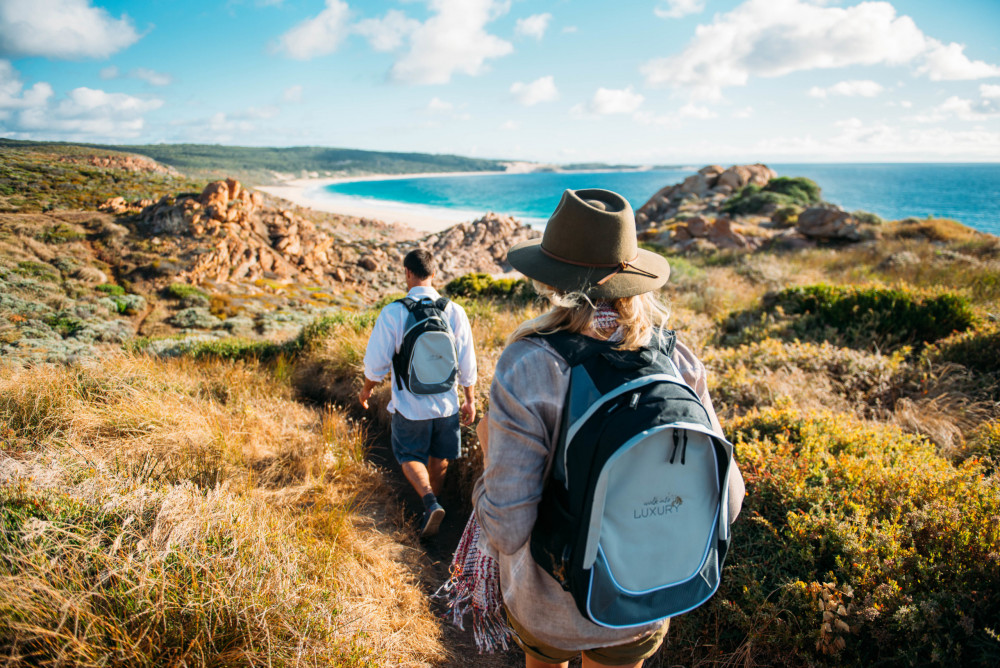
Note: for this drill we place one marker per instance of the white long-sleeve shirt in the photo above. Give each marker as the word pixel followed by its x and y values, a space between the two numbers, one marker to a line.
pixel 386 339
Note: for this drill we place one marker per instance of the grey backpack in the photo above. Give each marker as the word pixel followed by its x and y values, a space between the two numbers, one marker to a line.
pixel 427 360
pixel 633 520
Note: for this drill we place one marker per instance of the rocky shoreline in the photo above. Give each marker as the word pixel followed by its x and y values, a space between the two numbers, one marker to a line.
pixel 698 214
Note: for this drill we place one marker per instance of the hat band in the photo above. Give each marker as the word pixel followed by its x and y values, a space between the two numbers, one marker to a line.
pixel 618 266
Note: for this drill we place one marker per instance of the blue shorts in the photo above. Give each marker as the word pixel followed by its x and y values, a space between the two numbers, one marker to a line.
pixel 418 440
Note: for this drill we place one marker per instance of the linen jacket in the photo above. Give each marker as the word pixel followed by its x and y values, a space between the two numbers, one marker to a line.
pixel 529 386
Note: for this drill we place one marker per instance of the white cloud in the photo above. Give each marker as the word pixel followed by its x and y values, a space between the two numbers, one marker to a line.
pixel 989 91
pixel 292 94
pixel 771 38
pixel 883 141
pixel 745 112
pixel 453 40
pixel 61 29
pixel 388 32
pixel 533 26
pixel 509 125
pixel 607 101
pixel 854 88
pixel 948 62
pixel 569 29
pixel 12 93
pixel 539 90
pixel 962 109
pixel 694 111
pixel 151 77
pixel 673 120
pixel 437 105
pixel 87 114
pixel 320 35
pixel 675 9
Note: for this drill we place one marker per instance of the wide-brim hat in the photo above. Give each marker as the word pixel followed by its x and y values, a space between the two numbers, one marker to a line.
pixel 589 245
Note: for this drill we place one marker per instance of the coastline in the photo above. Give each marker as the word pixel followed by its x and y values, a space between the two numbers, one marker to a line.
pixel 312 193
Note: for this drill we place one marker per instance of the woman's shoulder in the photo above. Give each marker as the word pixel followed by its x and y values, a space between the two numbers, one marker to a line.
pixel 531 355
pixel 529 349
pixel 691 368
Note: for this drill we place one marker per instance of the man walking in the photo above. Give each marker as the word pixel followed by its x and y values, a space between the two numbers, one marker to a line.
pixel 424 342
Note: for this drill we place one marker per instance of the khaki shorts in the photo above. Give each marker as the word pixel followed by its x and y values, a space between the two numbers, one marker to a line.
pixel 618 655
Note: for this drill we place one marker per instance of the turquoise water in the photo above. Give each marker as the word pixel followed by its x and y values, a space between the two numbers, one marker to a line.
pixel 969 193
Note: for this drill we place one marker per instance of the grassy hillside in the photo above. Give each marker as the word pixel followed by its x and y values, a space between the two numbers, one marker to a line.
pixel 46 176
pixel 258 165
pixel 230 505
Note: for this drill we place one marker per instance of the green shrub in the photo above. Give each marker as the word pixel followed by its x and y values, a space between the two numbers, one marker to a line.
pixel 65 325
pixel 858 317
pixel 61 234
pixel 111 289
pixel 857 545
pixel 787 216
pixel 321 329
pixel 781 192
pixel 978 349
pixel 183 290
pixel 867 218
pixel 484 285
pixel 804 191
pixel 236 348
pixel 40 270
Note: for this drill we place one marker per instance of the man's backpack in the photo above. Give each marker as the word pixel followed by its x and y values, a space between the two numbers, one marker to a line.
pixel 427 360
pixel 633 521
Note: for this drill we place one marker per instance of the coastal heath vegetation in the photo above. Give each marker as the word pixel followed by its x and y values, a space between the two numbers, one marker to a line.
pixel 869 531
pixel 191 497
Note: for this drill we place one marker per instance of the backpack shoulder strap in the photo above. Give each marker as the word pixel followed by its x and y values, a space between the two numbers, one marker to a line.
pixel 407 302
pixel 441 303
pixel 574 348
pixel 664 340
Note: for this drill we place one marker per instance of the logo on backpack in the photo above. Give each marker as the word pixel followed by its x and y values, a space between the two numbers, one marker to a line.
pixel 427 360
pixel 633 521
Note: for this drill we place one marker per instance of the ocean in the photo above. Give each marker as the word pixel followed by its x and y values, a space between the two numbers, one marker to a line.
pixel 968 193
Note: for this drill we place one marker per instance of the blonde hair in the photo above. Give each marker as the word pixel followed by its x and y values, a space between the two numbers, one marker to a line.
pixel 574 312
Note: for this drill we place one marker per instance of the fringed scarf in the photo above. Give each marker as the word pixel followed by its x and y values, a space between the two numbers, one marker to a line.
pixel 474 586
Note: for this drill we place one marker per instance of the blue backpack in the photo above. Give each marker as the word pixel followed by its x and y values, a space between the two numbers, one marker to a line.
pixel 633 521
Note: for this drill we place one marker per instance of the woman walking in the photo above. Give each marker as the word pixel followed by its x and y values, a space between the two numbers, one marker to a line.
pixel 601 286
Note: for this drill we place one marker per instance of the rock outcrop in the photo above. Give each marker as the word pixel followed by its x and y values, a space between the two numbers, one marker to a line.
pixel 692 215
pixel 701 193
pixel 827 223
pixel 240 238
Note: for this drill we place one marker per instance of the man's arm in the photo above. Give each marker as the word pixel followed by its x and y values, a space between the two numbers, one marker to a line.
pixel 468 409
pixel 378 355
pixel 466 361
pixel 366 392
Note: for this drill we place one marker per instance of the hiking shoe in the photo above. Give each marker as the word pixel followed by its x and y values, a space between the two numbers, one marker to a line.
pixel 432 520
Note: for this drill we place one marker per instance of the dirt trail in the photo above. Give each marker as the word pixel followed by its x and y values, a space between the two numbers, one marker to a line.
pixel 439 550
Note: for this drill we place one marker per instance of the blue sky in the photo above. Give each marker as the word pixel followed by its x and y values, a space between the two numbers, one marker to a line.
pixel 640 82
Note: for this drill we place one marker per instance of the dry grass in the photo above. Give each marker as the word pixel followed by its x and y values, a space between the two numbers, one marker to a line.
pixel 191 513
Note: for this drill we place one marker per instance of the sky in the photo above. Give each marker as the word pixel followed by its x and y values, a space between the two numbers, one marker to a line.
pixel 653 82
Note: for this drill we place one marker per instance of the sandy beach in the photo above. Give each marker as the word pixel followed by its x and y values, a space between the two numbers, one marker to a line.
pixel 313 194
